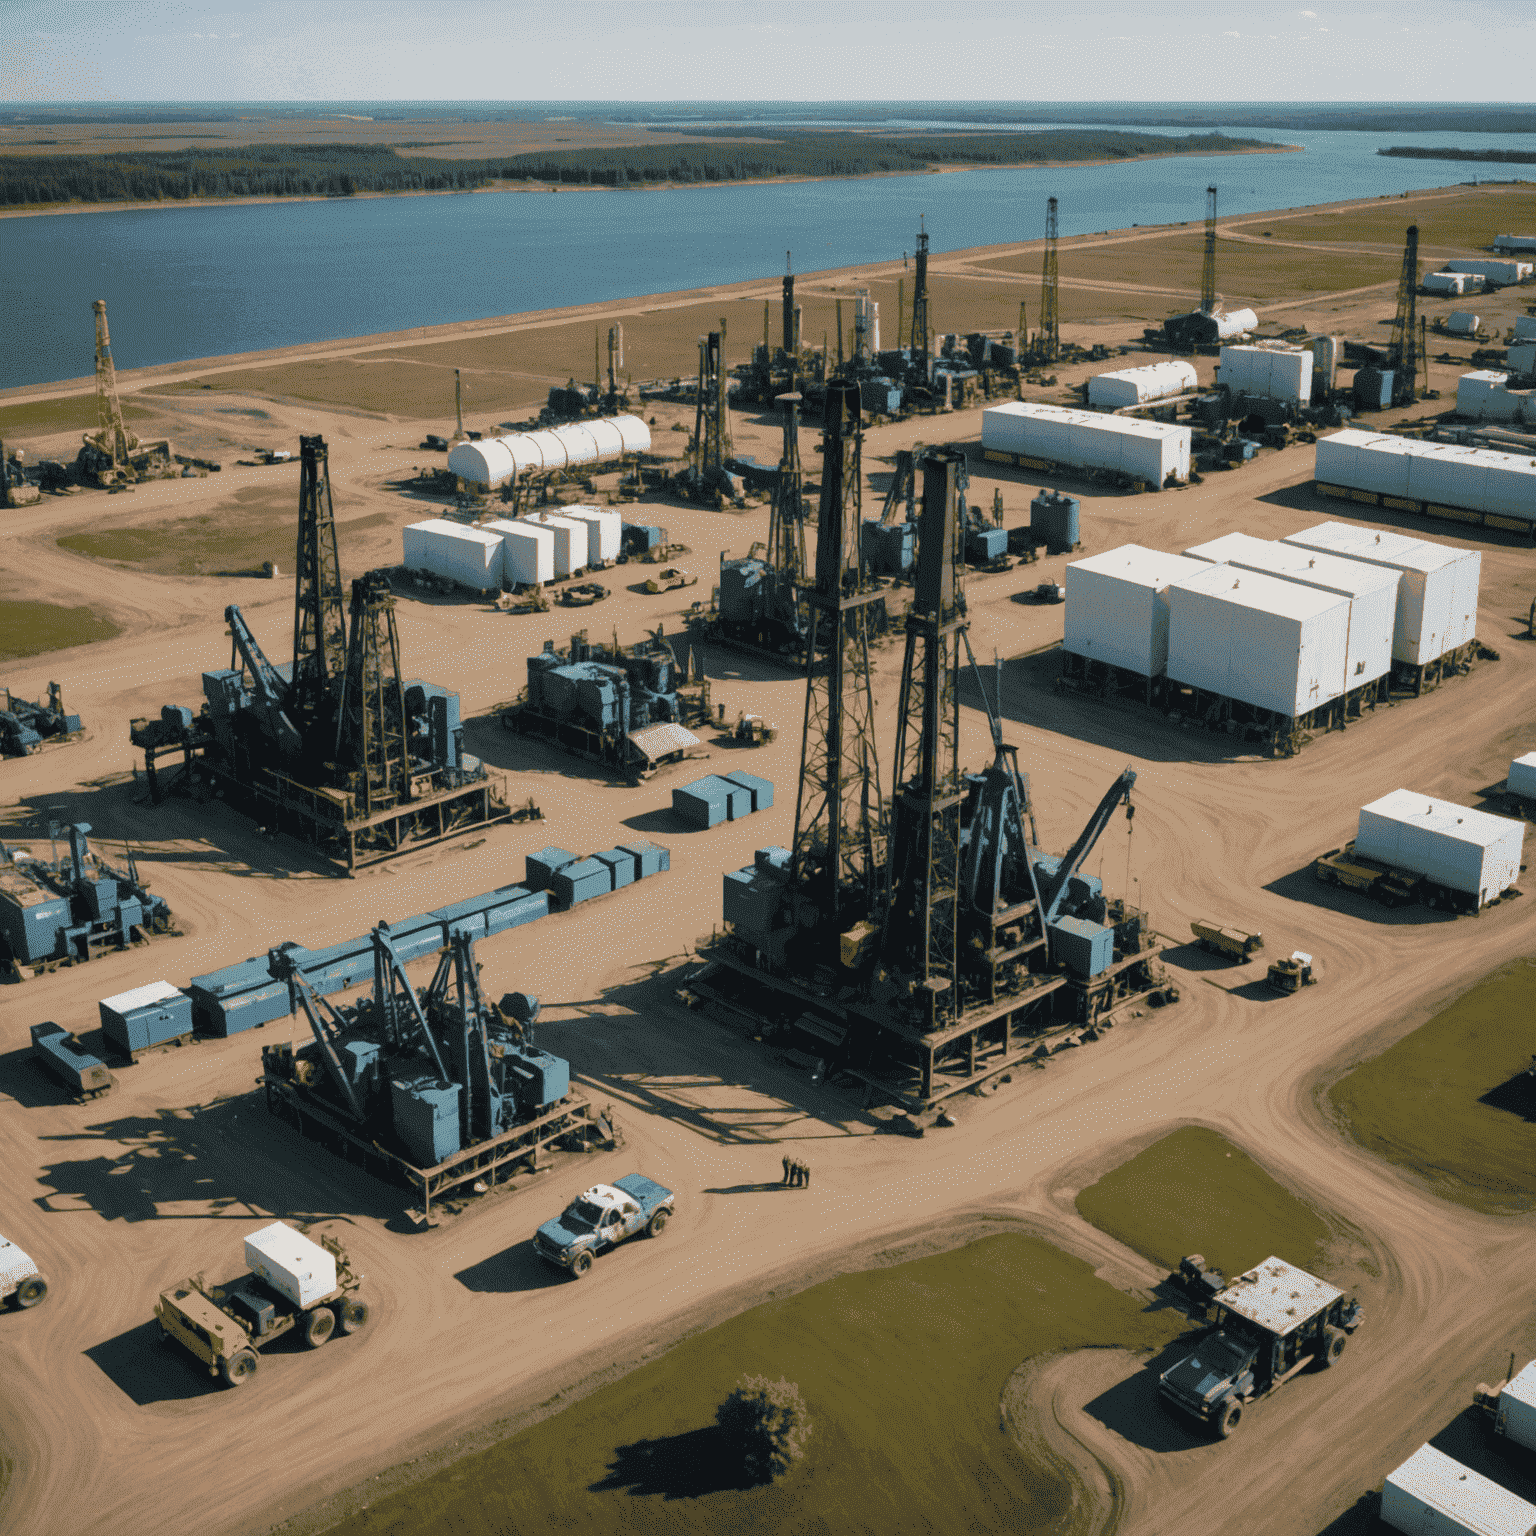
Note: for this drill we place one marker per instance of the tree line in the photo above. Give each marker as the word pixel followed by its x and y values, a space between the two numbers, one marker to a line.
pixel 1493 156
pixel 341 170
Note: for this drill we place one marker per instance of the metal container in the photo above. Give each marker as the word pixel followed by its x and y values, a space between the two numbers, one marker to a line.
pixel 1234 324
pixel 650 858
pixel 338 967
pixel 1086 948
pixel 580 881
pixel 237 998
pixel 1484 395
pixel 454 553
pixel 1516 1416
pixel 1452 845
pixel 604 531
pixel 983 545
pixel 1454 283
pixel 1522 357
pixel 640 537
pixel 291 1264
pixel 1117 611
pixel 751 898
pixel 738 800
pixel 1373 389
pixel 1492 271
pixel 1144 450
pixel 515 910
pixel 1371 590
pixel 425 1112
pixel 146 1016
pixel 492 462
pixel 1462 322
pixel 527 551
pixel 1514 242
pixel 538 1078
pixel 1055 521
pixel 32 919
pixel 570 541
pixel 773 860
pixel 1437 597
pixel 59 1053
pixel 1272 644
pixel 1433 1495
pixel 1271 372
pixel 759 789
pixel 1136 386
pixel 621 867
pixel 466 917
pixel 704 803
pixel 1525 327
pixel 541 867
pixel 1522 777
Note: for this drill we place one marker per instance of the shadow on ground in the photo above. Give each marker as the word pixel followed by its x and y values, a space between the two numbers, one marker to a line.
pixel 149 1371
pixel 24 1081
pixel 1132 1409
pixel 1192 957
pixel 686 1466
pixel 1517 1096
pixel 512 1270
pixel 1303 498
pixel 1301 885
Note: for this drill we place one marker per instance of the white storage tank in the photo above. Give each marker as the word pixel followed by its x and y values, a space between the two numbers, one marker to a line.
pixel 605 532
pixel 292 1265
pixel 1326 352
pixel 1522 782
pixel 1494 271
pixel 1238 323
pixel 453 552
pixel 527 551
pixel 1462 322
pixel 1137 386
pixel 1437 598
pixel 1116 611
pixel 1270 372
pixel 1371 590
pixel 493 461
pixel 1273 644
pixel 1144 450
pixel 1432 1494
pixel 571 540
pixel 1453 845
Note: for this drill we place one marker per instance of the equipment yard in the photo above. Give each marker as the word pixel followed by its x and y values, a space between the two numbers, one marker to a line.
pixel 967 1158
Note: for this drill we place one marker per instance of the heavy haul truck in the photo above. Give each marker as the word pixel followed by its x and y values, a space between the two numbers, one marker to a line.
pixel 293 1283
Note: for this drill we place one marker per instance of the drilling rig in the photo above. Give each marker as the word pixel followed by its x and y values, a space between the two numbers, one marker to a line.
pixel 928 949
pixel 1208 270
pixel 339 749
pixel 705 479
pixel 111 455
pixel 922 331
pixel 1404 352
pixel 1048 343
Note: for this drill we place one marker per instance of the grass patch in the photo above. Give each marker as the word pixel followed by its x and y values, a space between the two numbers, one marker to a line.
pixel 1450 1101
pixel 1194 1192
pixel 30 629
pixel 69 413
pixel 901 1370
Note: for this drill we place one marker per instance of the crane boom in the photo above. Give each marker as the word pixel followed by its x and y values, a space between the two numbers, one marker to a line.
pixel 301 995
pixel 266 682
pixel 1053 887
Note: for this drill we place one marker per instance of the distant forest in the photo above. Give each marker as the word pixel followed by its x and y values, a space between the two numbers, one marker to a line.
pixel 1494 156
pixel 308 170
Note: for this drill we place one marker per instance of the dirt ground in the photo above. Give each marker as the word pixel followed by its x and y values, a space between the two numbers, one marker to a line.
pixel 120 1198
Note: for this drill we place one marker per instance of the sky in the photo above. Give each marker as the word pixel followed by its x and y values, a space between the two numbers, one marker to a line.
pixel 803 50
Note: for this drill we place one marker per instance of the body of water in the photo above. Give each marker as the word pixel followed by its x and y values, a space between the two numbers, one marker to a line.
pixel 207 280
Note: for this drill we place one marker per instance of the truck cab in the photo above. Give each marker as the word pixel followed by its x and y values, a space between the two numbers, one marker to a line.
pixel 1271 1323
pixel 601 1218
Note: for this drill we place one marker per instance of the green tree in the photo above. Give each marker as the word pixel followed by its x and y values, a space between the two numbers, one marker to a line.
pixel 767 1422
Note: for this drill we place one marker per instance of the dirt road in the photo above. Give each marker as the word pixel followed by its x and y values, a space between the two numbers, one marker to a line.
pixel 110 1434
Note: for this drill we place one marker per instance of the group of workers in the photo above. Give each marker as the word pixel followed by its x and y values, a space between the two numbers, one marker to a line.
pixel 797 1172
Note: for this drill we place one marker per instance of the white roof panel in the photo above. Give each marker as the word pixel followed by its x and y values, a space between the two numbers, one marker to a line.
pixel 1265 594
pixel 141 997
pixel 1142 567
pixel 1277 1296
pixel 1458 822
pixel 1468 1500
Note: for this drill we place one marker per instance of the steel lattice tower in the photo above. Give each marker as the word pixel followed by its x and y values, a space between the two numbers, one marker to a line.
pixel 839 813
pixel 1404 348
pixel 371 731
pixel 319 616
pixel 791 332
pixel 1208 273
pixel 711 426
pixel 921 936
pixel 786 520
pixel 1050 324
pixel 920 329
pixel 112 437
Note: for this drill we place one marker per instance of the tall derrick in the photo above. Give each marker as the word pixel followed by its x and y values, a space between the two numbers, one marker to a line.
pixel 1403 350
pixel 786 519
pixel 1050 321
pixel 371 740
pixel 791 329
pixel 1208 272
pixel 711 425
pixel 921 939
pixel 111 438
pixel 319 615
pixel 840 830
pixel 920 324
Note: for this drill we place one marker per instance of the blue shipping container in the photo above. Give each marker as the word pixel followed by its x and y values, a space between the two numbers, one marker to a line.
pixel 650 858
pixel 1086 949
pixel 621 866
pixel 32 921
pixel 145 1016
pixel 704 803
pixel 237 998
pixel 513 913
pixel 59 1053
pixel 581 882
pixel 543 864
pixel 761 789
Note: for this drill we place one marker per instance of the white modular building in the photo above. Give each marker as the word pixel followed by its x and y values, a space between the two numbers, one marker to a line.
pixel 291 1264
pixel 1484 395
pixel 1452 283
pixel 1144 450
pixel 1522 782
pixel 1500 485
pixel 571 541
pixel 1437 597
pixel 1140 386
pixel 1432 1494
pixel 454 553
pixel 1273 644
pixel 494 461
pixel 1462 322
pixel 1452 845
pixel 1268 371
pixel 1371 590
pixel 1494 271
pixel 527 551
pixel 1116 609
pixel 605 532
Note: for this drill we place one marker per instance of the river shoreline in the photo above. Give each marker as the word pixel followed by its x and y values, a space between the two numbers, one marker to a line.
pixel 47 209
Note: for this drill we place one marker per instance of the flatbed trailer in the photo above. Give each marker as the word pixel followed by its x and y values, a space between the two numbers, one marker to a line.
pixel 1391 886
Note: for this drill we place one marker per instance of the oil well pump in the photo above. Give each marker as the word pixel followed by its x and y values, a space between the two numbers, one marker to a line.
pixel 931 945
pixel 338 747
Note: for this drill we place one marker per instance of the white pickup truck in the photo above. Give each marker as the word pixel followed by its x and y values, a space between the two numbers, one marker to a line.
pixel 19 1276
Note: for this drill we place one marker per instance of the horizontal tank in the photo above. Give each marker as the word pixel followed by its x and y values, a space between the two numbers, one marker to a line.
pixel 1272 644
pixel 1452 845
pixel 1462 322
pixel 1137 386
pixel 1432 1494
pixel 1452 283
pixel 1144 450
pixel 453 552
pixel 493 461
pixel 1237 323
pixel 1116 608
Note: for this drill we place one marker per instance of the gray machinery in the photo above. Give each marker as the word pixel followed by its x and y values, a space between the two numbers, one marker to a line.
pixel 25 726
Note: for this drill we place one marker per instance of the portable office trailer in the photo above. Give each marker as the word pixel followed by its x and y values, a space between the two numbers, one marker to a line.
pixel 1437 597
pixel 1273 645
pixel 1117 610
pixel 1451 845
pixel 1149 451
pixel 1432 1494
pixel 1273 373
pixel 1371 590
pixel 454 553
pixel 605 532
pixel 571 541
pixel 1492 271
pixel 527 551
pixel 1522 777
pixel 1454 283
pixel 1138 386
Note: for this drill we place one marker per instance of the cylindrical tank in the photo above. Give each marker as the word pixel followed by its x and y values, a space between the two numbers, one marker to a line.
pixel 1054 520
pixel 1325 364
pixel 493 461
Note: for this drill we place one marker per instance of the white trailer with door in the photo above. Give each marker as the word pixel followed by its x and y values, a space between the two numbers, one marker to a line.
pixel 1453 847
pixel 1117 607
pixel 1432 1494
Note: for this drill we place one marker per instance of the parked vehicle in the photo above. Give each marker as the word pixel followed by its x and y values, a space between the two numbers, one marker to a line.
pixel 20 1277
pixel 1292 973
pixel 601 1218
pixel 1236 942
